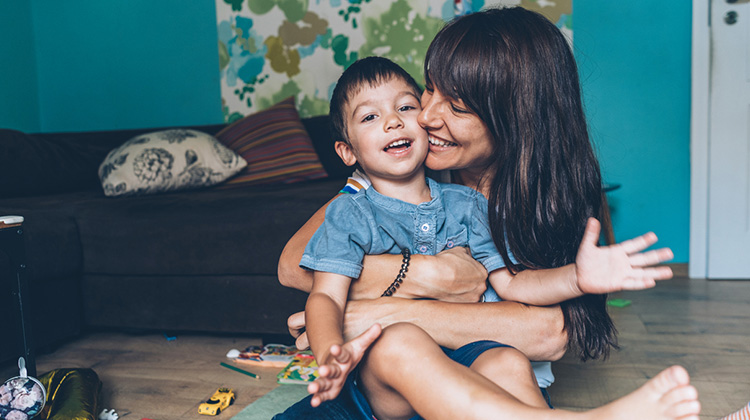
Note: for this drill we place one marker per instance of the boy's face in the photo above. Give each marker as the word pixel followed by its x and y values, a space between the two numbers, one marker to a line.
pixel 383 132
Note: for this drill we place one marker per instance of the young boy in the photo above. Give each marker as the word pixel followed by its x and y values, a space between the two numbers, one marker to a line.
pixel 374 111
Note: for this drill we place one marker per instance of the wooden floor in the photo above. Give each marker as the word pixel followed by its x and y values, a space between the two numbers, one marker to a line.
pixel 702 325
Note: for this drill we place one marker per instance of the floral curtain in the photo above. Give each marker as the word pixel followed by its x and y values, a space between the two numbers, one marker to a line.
pixel 272 49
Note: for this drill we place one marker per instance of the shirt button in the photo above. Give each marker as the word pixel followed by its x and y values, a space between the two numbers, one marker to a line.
pixel 422 248
pixel 450 244
pixel 425 227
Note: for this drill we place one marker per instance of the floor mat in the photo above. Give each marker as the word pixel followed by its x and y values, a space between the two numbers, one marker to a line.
pixel 272 403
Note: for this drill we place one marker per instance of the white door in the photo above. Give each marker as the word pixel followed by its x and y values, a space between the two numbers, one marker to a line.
pixel 728 247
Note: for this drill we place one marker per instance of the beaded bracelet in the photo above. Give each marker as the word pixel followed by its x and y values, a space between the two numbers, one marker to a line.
pixel 401 273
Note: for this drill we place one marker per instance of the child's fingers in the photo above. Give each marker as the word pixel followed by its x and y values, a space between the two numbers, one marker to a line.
pixel 591 233
pixel 638 284
pixel 329 371
pixel 343 356
pixel 323 390
pixel 656 256
pixel 320 386
pixel 639 243
pixel 365 340
pixel 646 278
pixel 655 273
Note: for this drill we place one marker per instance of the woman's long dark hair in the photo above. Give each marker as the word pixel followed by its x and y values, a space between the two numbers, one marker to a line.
pixel 515 70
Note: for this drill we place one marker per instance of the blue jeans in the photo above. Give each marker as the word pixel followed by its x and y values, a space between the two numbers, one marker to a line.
pixel 351 404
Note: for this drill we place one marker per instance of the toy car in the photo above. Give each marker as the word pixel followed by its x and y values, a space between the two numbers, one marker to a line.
pixel 222 398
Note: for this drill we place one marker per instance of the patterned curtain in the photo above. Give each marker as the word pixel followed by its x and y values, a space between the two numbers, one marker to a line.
pixel 272 49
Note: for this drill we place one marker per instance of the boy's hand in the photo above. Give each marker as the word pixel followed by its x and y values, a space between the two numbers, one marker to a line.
pixel 340 362
pixel 621 266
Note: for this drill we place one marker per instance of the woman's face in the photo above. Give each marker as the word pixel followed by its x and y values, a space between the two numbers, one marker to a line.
pixel 459 139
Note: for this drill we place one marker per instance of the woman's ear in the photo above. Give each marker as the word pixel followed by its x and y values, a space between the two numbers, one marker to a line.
pixel 345 152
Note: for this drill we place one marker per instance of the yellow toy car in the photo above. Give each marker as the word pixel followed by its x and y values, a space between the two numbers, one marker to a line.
pixel 222 398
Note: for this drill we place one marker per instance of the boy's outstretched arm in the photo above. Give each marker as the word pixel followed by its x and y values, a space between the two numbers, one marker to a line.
pixel 597 270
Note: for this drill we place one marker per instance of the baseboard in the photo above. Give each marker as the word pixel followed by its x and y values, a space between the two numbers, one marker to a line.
pixel 679 269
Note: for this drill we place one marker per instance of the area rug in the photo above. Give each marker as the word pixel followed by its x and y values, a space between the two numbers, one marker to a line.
pixel 272 403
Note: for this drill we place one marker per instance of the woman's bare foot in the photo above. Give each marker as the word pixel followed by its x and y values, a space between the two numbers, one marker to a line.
pixel 667 396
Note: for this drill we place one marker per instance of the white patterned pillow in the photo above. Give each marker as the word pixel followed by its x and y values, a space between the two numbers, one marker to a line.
pixel 167 160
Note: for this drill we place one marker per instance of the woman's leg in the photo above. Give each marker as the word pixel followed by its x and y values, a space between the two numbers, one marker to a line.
pixel 509 369
pixel 407 371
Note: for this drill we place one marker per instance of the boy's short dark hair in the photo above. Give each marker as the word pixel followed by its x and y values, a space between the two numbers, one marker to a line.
pixel 369 71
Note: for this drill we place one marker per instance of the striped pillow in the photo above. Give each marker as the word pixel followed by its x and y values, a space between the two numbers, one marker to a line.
pixel 275 145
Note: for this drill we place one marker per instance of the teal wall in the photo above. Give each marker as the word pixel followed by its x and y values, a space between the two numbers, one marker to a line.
pixel 140 63
pixel 634 59
pixel 19 97
pixel 126 64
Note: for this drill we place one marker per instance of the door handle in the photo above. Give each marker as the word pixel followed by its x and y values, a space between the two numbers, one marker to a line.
pixel 730 18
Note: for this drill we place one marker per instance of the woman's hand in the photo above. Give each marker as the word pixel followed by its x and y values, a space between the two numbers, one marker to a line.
pixel 360 315
pixel 621 266
pixel 450 276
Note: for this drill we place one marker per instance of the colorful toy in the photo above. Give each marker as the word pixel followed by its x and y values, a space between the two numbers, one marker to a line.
pixel 222 398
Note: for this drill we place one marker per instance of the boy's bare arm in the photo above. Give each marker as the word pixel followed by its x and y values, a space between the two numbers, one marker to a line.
pixel 325 313
pixel 537 287
pixel 597 270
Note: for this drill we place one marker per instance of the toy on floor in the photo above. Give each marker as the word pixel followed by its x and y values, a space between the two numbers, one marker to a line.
pixel 109 415
pixel 21 397
pixel 222 398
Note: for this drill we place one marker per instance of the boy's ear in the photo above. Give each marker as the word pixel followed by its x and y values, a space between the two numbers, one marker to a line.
pixel 344 150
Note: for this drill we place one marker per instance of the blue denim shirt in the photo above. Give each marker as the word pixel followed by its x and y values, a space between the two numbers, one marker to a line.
pixel 351 212
pixel 369 223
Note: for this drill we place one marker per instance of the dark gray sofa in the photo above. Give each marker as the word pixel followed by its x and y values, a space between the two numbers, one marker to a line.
pixel 201 260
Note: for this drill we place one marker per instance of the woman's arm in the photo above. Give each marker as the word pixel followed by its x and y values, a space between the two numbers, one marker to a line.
pixel 536 331
pixel 451 275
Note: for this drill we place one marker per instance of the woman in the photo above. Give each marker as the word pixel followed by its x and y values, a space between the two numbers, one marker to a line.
pixel 503 111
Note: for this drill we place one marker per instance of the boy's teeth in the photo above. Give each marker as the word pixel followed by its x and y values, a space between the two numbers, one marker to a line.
pixel 437 142
pixel 397 143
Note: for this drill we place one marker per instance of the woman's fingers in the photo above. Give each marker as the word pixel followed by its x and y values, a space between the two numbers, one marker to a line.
pixel 302 342
pixel 296 323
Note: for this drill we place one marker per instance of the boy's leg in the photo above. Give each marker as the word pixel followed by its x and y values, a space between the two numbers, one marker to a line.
pixel 406 372
pixel 511 370
pixel 406 366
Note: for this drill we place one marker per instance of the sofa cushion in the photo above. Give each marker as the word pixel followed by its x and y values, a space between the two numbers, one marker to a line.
pixel 275 145
pixel 167 160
